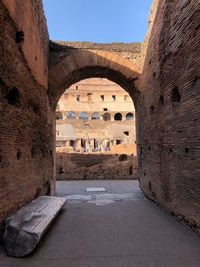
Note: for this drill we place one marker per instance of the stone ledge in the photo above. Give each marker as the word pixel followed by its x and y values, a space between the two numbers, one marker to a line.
pixel 25 228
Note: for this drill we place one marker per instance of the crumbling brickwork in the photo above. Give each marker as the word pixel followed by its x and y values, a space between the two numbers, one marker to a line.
pixel 166 94
pixel 169 132
pixel 71 166
pixel 26 136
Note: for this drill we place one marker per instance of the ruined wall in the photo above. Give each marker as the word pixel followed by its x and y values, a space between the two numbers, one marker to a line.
pixel 130 51
pixel 90 92
pixel 169 135
pixel 26 136
pixel 95 166
pixel 169 132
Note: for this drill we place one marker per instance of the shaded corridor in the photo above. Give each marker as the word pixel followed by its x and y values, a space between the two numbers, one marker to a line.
pixel 116 228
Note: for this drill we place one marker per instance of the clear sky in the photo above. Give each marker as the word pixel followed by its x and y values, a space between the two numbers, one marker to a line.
pixel 101 21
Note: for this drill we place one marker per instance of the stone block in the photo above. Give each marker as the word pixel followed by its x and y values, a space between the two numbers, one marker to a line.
pixel 25 228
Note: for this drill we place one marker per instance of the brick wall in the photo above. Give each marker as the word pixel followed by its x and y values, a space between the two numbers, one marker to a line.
pixel 169 132
pixel 169 135
pixel 28 16
pixel 26 135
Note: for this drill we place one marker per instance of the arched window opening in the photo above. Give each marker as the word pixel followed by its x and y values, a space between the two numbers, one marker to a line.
pixel 59 116
pixel 71 115
pixel 89 95
pixel 118 117
pixel 129 116
pixel 102 97
pixel 95 116
pixel 106 116
pixel 83 116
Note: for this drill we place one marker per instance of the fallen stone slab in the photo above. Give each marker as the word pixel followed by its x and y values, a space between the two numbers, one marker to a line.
pixel 25 228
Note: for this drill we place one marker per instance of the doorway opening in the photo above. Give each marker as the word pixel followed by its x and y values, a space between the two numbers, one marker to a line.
pixel 94 139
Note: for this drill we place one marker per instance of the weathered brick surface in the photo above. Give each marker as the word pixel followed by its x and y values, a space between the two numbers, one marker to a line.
pixel 167 96
pixel 71 166
pixel 28 16
pixel 68 66
pixel 130 51
pixel 169 132
pixel 26 136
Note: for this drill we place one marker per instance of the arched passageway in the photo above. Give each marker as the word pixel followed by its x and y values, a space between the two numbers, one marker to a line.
pixel 76 65
pixel 71 115
pixel 129 116
pixel 84 116
pixel 170 100
pixel 106 116
pixel 95 116
pixel 118 117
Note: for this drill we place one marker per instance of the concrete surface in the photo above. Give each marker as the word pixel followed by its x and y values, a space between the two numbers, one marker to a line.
pixel 129 232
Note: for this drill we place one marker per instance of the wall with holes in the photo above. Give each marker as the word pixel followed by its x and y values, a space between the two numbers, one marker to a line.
pixel 26 135
pixel 168 106
pixel 169 136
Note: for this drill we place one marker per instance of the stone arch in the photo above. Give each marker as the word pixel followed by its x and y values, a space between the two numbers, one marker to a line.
pixel 129 116
pixel 96 116
pixel 68 66
pixel 71 115
pixel 118 116
pixel 106 116
pixel 84 116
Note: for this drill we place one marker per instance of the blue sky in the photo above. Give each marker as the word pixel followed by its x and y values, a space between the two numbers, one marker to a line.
pixel 102 21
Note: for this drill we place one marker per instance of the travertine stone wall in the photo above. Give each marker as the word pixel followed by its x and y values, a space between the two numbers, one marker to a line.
pixel 26 135
pixel 77 127
pixel 169 135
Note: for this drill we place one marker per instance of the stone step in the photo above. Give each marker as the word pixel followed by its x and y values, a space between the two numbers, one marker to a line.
pixel 25 228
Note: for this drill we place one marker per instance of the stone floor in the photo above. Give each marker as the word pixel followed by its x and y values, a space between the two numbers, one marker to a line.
pixel 116 228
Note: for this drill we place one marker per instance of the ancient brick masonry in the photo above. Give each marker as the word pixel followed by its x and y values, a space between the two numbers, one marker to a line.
pixel 166 95
pixel 26 164
pixel 169 135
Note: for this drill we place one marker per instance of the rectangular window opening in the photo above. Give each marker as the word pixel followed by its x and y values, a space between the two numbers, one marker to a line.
pixel 89 96
pixel 126 98
pixel 114 97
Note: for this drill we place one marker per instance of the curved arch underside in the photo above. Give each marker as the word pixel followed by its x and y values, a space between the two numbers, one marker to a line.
pixel 89 64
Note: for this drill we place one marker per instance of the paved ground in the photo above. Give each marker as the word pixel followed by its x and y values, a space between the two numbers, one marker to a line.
pixel 116 228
